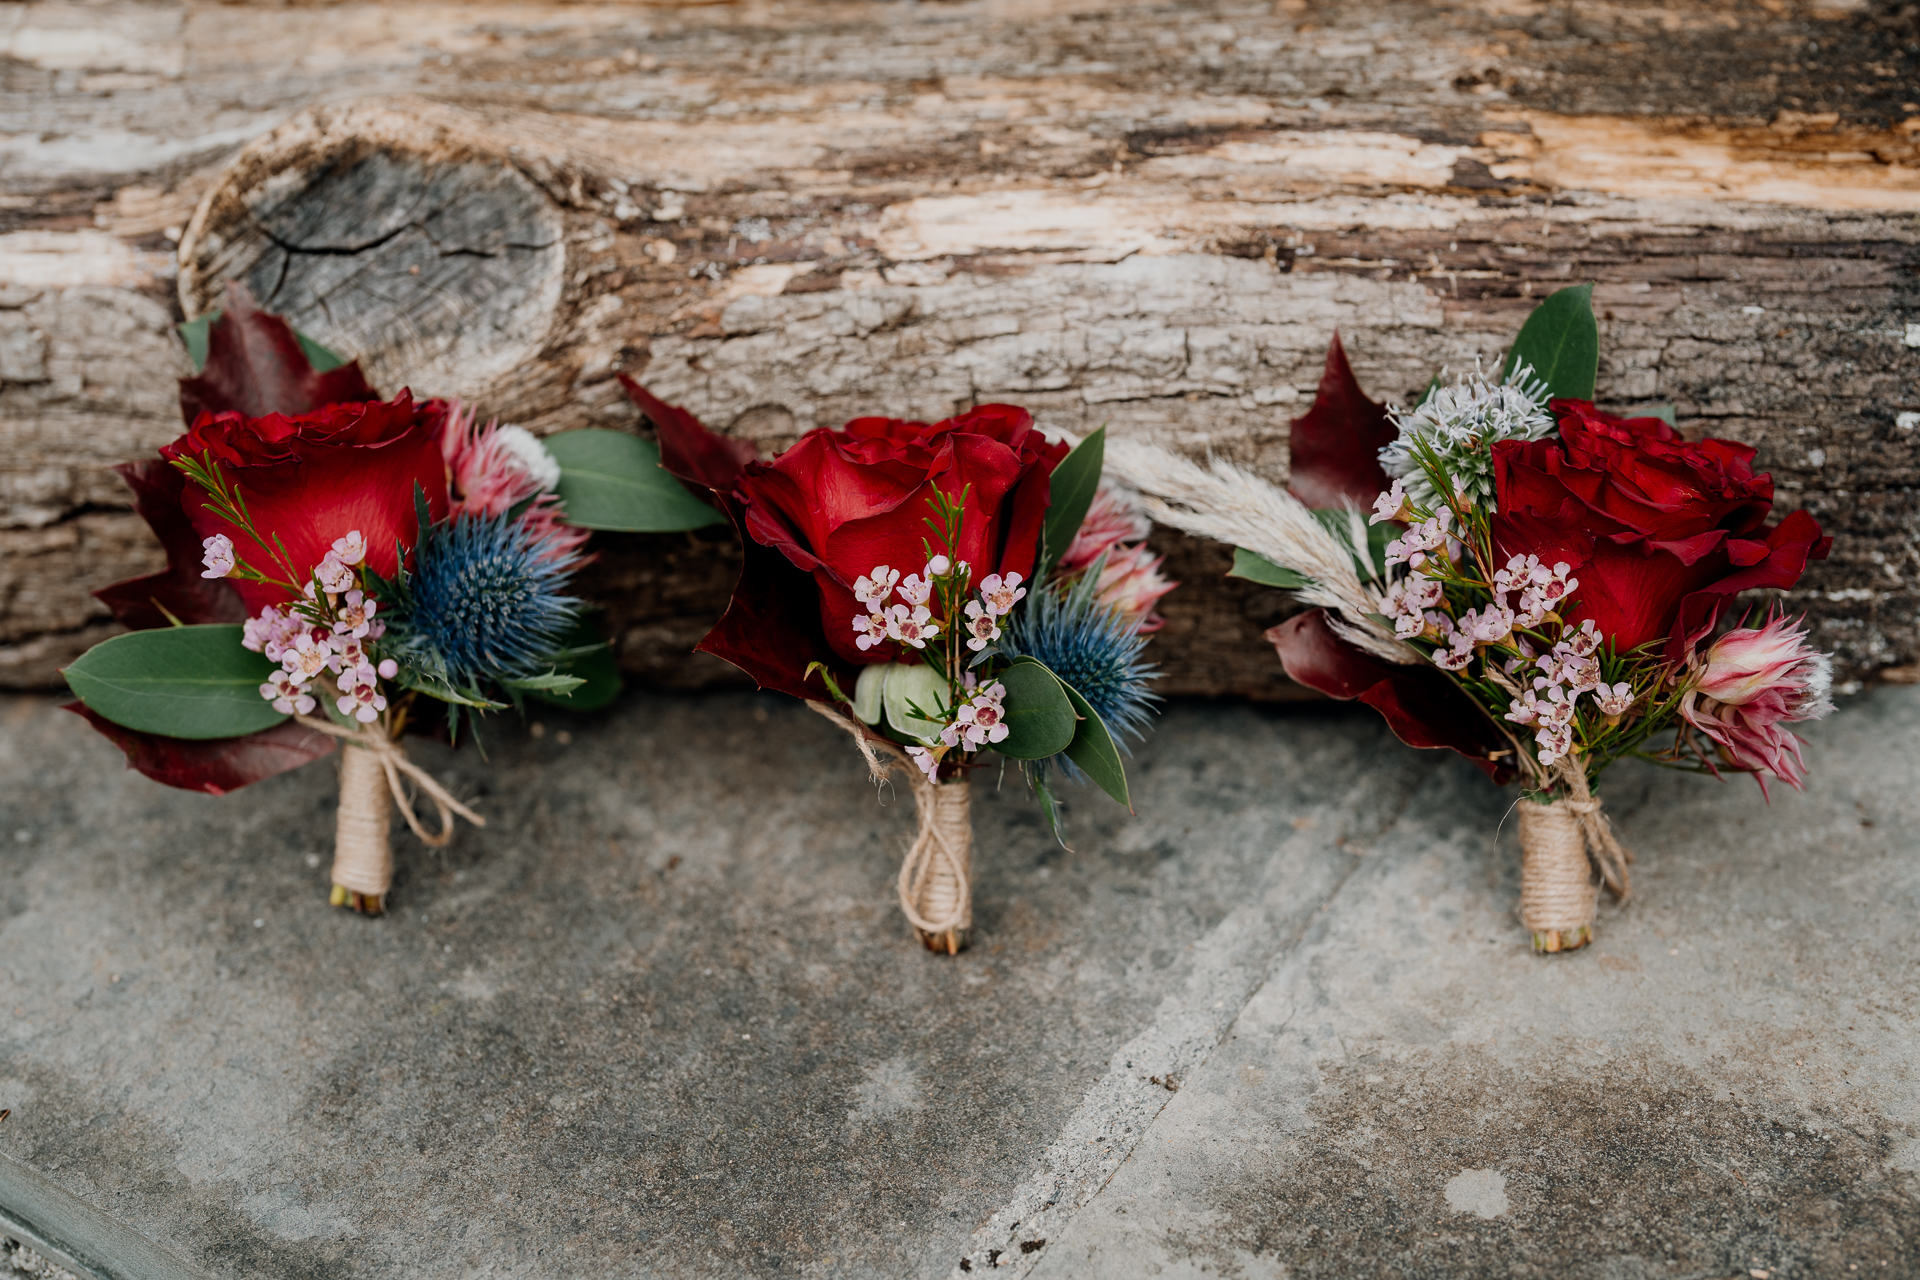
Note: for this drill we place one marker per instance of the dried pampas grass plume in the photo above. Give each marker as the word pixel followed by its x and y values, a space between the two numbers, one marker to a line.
pixel 1223 502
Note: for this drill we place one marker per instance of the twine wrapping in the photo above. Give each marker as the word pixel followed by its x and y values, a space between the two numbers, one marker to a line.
pixel 362 851
pixel 1567 850
pixel 935 883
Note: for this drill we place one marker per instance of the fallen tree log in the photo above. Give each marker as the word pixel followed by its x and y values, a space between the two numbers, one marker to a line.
pixel 1137 216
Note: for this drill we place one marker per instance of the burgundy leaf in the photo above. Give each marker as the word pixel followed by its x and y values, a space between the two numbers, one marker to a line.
pixel 1336 444
pixel 138 603
pixel 688 451
pixel 1421 706
pixel 255 366
pixel 771 629
pixel 214 765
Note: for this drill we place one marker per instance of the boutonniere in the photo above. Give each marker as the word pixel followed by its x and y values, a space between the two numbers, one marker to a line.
pixel 346 569
pixel 947 593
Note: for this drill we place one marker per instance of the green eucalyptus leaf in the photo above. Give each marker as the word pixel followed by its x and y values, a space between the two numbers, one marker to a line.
pixel 180 682
pixel 1040 719
pixel 1255 567
pixel 1094 749
pixel 1561 340
pixel 914 685
pixel 867 691
pixel 1072 488
pixel 611 480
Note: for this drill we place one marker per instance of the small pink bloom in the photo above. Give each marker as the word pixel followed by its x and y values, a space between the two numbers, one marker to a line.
pixel 355 615
pixel 869 629
pixel 306 657
pixel 288 695
pixel 1391 505
pixel 1613 700
pixel 1552 742
pixel 364 702
pixel 1000 593
pixel 218 556
pixel 262 633
pixel 388 668
pixel 940 567
pixel 925 761
pixel 911 627
pixel 915 589
pixel 874 589
pixel 334 576
pixel 982 629
pixel 351 549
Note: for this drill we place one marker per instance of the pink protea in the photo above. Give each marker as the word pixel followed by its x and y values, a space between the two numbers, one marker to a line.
pixel 1132 583
pixel 1748 686
pixel 493 469
pixel 1113 518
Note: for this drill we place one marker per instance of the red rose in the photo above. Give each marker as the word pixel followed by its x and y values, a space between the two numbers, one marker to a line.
pixel 838 503
pixel 1646 519
pixel 310 478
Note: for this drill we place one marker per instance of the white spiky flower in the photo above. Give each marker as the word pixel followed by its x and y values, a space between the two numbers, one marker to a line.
pixel 1459 424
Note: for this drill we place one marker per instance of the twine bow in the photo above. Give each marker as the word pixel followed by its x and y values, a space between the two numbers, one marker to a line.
pixel 941 847
pixel 393 759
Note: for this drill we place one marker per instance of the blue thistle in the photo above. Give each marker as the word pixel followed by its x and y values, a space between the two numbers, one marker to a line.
pixel 1092 647
pixel 482 604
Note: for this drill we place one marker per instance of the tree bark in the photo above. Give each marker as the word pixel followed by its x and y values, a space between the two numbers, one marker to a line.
pixel 785 216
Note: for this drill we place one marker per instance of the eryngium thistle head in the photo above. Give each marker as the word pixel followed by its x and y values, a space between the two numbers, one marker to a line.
pixel 484 602
pixel 1092 647
pixel 1459 425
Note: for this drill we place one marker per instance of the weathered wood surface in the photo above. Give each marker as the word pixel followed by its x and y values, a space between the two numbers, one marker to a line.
pixel 784 215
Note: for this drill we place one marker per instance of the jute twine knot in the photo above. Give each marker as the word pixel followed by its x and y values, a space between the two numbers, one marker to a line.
pixel 1567 850
pixel 362 852
pixel 935 882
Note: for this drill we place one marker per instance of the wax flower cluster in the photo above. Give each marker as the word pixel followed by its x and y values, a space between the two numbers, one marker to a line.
pixel 323 637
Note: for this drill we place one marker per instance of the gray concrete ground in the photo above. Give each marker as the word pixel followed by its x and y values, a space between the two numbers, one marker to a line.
pixel 661 1017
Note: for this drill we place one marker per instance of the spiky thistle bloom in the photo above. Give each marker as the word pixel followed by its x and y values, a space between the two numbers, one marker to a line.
pixel 1093 647
pixel 483 603
pixel 1458 425
pixel 491 470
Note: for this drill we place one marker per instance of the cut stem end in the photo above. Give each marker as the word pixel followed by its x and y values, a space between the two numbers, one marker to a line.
pixel 1562 939
pixel 367 904
pixel 950 942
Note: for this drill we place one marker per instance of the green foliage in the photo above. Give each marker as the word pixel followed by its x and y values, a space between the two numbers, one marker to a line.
pixel 1255 567
pixel 1561 340
pixel 915 698
pixel 589 663
pixel 1094 749
pixel 1040 719
pixel 611 480
pixel 1073 484
pixel 180 682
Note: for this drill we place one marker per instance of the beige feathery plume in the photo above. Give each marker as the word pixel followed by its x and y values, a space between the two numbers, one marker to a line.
pixel 1223 502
